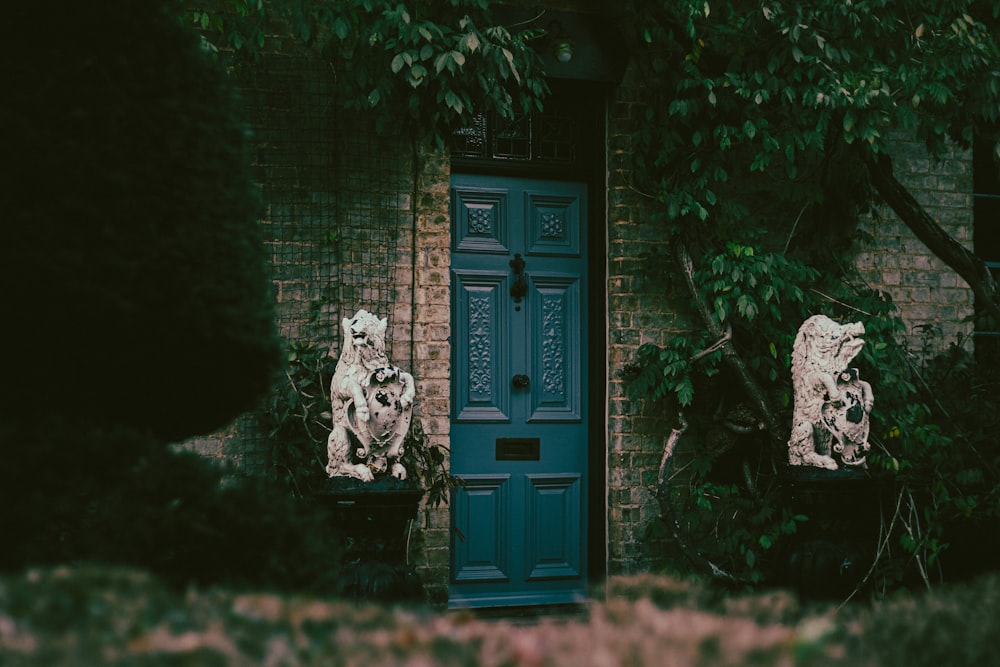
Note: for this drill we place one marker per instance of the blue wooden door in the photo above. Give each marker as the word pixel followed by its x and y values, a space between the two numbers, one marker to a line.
pixel 519 386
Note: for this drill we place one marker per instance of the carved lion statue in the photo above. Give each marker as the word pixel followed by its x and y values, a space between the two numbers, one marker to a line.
pixel 831 403
pixel 372 403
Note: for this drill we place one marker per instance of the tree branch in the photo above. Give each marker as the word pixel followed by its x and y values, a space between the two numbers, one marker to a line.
pixel 729 352
pixel 966 264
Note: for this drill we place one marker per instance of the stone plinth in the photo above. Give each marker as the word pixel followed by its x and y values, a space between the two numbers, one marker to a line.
pixel 831 552
pixel 374 519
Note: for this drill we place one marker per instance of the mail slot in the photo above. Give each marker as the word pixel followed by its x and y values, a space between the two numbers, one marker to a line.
pixel 518 449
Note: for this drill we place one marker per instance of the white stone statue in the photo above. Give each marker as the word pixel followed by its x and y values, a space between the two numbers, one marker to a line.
pixel 832 403
pixel 372 405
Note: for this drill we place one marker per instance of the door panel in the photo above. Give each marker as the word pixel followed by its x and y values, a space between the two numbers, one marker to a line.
pixel 481 303
pixel 482 508
pixel 554 223
pixel 519 422
pixel 553 526
pixel 553 338
pixel 479 218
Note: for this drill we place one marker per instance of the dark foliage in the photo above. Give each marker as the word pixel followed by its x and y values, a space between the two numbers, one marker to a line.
pixel 118 496
pixel 136 280
pixel 138 306
pixel 782 118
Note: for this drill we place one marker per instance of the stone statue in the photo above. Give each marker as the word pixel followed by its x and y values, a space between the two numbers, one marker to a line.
pixel 832 403
pixel 372 404
pixel 847 418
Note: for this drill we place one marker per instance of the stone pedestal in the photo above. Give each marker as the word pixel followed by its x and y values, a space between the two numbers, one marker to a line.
pixel 830 554
pixel 374 519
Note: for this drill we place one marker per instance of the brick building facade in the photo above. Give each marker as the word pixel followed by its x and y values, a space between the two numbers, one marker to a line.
pixel 329 183
pixel 935 302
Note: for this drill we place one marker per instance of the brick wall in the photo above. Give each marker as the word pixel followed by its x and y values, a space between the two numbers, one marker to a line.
pixel 638 313
pixel 430 331
pixel 349 224
pixel 930 296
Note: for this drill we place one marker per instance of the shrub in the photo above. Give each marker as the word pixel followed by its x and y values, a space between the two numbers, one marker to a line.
pixel 122 497
pixel 135 272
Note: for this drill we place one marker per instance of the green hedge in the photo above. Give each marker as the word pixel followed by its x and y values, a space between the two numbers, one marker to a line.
pixel 135 280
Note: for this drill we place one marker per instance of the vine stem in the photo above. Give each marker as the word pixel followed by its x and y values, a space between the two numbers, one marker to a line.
pixel 795 225
pixel 729 352
pixel 724 342
pixel 885 536
pixel 667 514
pixel 669 445
pixel 915 535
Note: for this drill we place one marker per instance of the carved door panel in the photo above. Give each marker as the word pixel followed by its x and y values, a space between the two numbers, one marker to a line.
pixel 519 422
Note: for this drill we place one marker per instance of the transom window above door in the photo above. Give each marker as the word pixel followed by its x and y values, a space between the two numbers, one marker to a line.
pixel 557 136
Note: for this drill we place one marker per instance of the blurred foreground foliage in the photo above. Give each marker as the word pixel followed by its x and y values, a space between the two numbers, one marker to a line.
pixel 88 615
pixel 122 497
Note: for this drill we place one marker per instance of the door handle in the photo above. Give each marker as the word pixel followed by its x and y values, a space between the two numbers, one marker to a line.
pixel 520 287
pixel 520 381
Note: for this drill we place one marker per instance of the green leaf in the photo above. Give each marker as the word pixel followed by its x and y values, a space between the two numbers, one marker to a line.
pixel 746 306
pixel 340 28
pixel 454 102
pixel 685 392
pixel 440 62
pixel 720 309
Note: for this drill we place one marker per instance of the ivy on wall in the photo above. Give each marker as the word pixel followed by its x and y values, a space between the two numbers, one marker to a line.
pixel 425 68
pixel 767 134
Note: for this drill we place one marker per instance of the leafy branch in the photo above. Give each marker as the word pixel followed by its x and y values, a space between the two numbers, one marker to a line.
pixel 423 68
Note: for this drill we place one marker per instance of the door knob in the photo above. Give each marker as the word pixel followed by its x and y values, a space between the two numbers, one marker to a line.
pixel 521 381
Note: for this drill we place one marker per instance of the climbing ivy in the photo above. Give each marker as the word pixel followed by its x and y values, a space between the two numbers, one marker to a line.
pixel 424 68
pixel 767 134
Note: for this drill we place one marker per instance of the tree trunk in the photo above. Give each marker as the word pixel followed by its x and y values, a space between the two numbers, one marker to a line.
pixel 966 264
